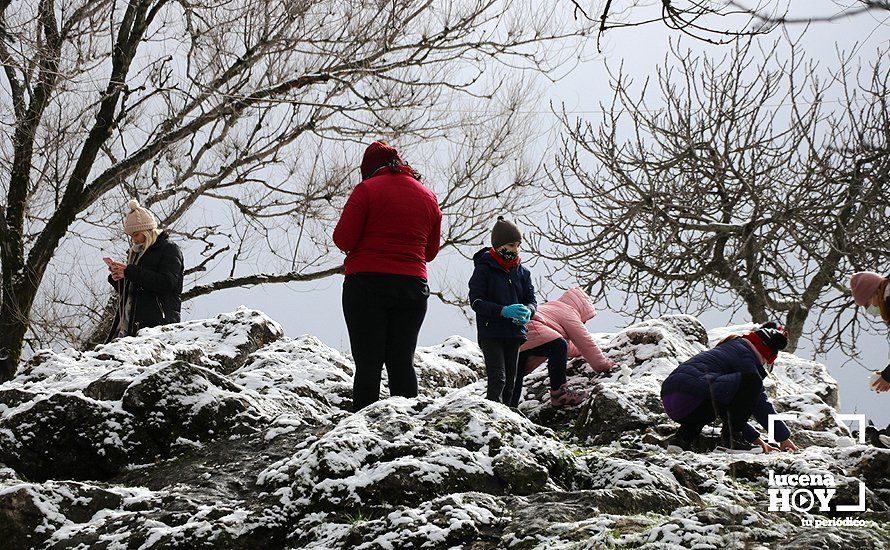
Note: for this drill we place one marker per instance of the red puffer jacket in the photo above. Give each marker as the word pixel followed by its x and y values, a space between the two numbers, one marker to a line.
pixel 391 224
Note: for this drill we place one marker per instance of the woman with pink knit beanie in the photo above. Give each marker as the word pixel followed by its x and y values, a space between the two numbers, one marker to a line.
pixel 872 291
pixel 149 284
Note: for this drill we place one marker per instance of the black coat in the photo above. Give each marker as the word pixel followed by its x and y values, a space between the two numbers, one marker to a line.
pixel 155 283
pixel 492 288
pixel 885 374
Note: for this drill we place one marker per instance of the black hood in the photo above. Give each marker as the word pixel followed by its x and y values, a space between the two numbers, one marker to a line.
pixel 484 258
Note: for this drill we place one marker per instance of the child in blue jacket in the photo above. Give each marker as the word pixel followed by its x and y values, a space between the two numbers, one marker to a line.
pixel 503 297
pixel 726 382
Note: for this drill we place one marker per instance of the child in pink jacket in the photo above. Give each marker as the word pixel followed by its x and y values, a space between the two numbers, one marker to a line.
pixel 555 333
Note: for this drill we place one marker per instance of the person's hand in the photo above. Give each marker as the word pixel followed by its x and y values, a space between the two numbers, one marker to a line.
pixel 517 312
pixel 767 448
pixel 526 319
pixel 879 384
pixel 117 270
pixel 788 445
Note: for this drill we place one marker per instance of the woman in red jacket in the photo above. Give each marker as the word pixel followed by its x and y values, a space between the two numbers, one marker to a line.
pixel 389 230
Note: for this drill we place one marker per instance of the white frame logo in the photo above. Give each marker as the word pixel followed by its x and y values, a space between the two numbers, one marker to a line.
pixel 860 418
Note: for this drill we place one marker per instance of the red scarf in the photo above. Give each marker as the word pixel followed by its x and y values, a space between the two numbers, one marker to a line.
pixel 768 353
pixel 502 262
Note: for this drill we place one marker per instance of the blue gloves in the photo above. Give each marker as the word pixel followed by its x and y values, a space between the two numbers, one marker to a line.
pixel 518 313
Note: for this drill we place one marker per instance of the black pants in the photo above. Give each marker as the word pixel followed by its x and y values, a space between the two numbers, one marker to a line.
pixel 734 416
pixel 383 316
pixel 557 354
pixel 501 357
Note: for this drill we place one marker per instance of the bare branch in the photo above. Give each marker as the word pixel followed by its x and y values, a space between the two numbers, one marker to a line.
pixel 258 279
pixel 746 188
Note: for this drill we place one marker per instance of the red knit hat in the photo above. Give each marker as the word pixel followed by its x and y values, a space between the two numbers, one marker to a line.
pixel 768 342
pixel 864 285
pixel 378 155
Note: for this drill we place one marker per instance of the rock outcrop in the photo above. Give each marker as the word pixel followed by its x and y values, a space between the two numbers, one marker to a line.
pixel 224 433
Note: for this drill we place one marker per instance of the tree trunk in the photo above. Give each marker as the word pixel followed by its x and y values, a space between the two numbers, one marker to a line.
pixel 794 321
pixel 794 324
pixel 13 326
pixel 755 304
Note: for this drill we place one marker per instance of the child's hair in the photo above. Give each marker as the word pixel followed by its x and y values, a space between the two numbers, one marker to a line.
pixel 728 338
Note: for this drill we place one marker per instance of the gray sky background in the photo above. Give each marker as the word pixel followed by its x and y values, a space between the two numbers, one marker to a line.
pixel 314 308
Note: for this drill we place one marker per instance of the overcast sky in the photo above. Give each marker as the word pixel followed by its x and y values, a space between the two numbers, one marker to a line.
pixel 314 308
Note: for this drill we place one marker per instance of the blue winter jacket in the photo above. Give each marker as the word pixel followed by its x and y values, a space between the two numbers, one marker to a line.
pixel 492 288
pixel 717 372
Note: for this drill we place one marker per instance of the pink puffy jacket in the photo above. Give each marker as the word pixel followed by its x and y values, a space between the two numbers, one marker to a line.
pixel 565 318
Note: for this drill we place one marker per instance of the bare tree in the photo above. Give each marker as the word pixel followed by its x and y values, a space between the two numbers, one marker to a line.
pixel 721 21
pixel 778 13
pixel 243 108
pixel 749 184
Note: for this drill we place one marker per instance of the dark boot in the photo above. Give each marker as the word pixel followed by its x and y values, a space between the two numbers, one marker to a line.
pixel 875 438
pixel 673 443
pixel 735 441
pixel 678 442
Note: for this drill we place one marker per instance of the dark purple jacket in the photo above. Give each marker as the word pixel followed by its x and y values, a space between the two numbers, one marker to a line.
pixel 716 372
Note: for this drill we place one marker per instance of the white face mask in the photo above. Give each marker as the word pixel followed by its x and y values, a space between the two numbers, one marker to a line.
pixel 873 310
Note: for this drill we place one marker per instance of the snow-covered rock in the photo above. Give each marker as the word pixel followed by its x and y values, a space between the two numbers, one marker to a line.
pixel 30 513
pixel 223 433
pixel 626 402
pixel 627 398
pixel 408 451
pixel 179 400
pixel 301 367
pixel 221 344
pixel 88 415
pixel 68 436
pixel 455 363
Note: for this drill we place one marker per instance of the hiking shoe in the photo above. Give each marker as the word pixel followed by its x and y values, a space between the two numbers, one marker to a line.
pixel 736 442
pixel 675 444
pixel 652 439
pixel 564 397
pixel 873 437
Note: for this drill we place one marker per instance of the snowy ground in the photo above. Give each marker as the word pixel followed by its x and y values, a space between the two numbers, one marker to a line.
pixel 224 433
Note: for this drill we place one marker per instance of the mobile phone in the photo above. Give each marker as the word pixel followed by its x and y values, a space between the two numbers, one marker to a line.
pixel 108 261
